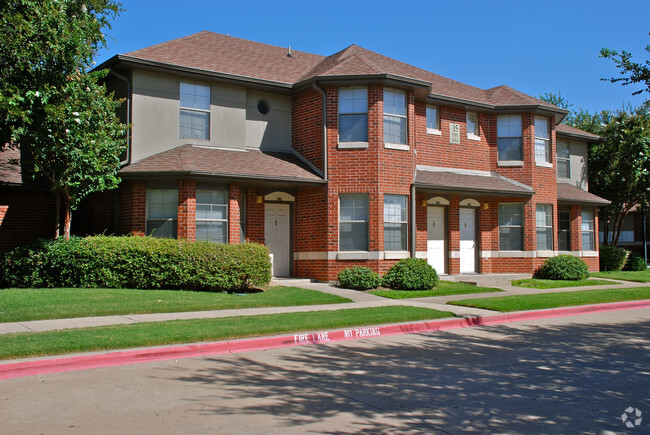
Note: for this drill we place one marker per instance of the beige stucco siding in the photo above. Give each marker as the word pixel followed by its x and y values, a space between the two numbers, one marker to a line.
pixel 578 163
pixel 273 130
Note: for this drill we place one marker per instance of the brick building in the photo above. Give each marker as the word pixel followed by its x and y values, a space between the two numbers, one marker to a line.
pixel 354 159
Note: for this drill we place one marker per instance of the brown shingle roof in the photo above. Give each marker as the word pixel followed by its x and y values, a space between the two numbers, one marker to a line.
pixel 253 164
pixel 567 130
pixel 470 182
pixel 9 172
pixel 570 193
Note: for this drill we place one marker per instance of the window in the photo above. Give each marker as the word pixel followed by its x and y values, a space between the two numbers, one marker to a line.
pixel 588 230
pixel 472 126
pixel 394 116
pixel 195 111
pixel 509 137
pixel 353 115
pixel 162 212
pixel 544 219
pixel 433 121
pixel 395 223
pixel 353 222
pixel 564 230
pixel 212 215
pixel 563 160
pixel 511 227
pixel 542 140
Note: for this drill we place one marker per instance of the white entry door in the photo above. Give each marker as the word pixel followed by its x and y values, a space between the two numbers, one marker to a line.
pixel 467 240
pixel 277 236
pixel 436 238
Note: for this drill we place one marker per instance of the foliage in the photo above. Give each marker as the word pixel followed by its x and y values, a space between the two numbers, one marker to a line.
pixel 551 283
pixel 136 262
pixel 443 288
pixel 411 274
pixel 60 115
pixel 635 263
pixel 359 278
pixel 631 72
pixel 563 267
pixel 612 258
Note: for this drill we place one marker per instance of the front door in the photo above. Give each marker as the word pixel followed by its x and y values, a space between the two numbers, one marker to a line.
pixel 436 238
pixel 467 240
pixel 277 236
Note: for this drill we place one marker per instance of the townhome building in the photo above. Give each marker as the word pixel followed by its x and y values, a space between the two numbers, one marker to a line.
pixel 353 159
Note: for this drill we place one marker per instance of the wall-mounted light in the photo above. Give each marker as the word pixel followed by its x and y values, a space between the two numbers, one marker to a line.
pixel 423 203
pixel 258 199
pixel 485 206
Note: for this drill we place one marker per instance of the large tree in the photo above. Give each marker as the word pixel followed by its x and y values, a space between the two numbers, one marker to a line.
pixel 630 72
pixel 58 113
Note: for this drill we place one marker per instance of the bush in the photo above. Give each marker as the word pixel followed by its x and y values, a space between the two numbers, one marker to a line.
pixel 136 262
pixel 635 263
pixel 359 278
pixel 411 274
pixel 612 258
pixel 563 267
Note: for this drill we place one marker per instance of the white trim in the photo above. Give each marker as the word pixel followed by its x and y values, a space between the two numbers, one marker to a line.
pixel 454 254
pixel 471 136
pixel 360 255
pixel 396 255
pixel 421 254
pixel 396 146
pixel 546 254
pixel 544 164
pixel 352 145
pixel 588 253
pixel 510 163
pixel 435 131
pixel 437 200
pixel 279 196
pixel 469 202
pixel 453 170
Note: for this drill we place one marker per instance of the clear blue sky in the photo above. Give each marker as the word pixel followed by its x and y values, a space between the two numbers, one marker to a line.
pixel 534 47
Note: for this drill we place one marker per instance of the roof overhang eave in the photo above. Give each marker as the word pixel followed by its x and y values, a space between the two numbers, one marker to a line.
pixel 467 191
pixel 595 202
pixel 578 136
pixel 201 174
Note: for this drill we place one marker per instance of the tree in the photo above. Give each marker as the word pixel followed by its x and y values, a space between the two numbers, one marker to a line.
pixel 631 72
pixel 59 114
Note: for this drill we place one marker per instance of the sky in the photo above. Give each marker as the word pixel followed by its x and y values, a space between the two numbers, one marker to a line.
pixel 535 47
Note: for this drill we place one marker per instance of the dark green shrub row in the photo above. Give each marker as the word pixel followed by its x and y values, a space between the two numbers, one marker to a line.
pixel 406 274
pixel 635 263
pixel 563 267
pixel 136 262
pixel 612 257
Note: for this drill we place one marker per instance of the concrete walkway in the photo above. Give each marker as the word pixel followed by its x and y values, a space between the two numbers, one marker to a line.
pixel 359 300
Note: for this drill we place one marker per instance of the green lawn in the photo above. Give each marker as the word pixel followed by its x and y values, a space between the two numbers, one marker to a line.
pixel 18 305
pixel 551 283
pixel 192 331
pixel 554 300
pixel 643 276
pixel 444 288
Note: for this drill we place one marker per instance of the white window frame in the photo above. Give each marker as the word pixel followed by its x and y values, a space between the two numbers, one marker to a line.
pixel 561 231
pixel 403 143
pixel 509 135
pixel 543 142
pixel 564 160
pixel 587 229
pixel 363 142
pixel 359 199
pixel 475 133
pixel 544 226
pixel 396 204
pixel 209 219
pixel 509 226
pixel 194 111
pixel 168 215
pixel 433 127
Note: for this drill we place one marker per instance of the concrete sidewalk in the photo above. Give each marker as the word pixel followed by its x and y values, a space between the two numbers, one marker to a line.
pixel 359 300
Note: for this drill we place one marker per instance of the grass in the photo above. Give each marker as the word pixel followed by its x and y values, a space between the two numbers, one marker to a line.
pixel 554 300
pixel 642 276
pixel 19 305
pixel 191 331
pixel 551 283
pixel 444 288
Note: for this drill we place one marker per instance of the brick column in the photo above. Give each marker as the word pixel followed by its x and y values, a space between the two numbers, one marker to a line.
pixel 186 210
pixel 233 213
pixel 133 207
pixel 255 215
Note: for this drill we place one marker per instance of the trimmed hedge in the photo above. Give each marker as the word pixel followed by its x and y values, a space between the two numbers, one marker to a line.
pixel 635 263
pixel 612 258
pixel 411 274
pixel 359 278
pixel 563 267
pixel 136 262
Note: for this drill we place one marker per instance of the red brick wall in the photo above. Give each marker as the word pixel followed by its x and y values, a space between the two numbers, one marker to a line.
pixel 255 215
pixel 133 207
pixel 233 213
pixel 307 126
pixel 96 214
pixel 186 210
pixel 25 215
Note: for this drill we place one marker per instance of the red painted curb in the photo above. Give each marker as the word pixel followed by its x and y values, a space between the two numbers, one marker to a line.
pixel 83 362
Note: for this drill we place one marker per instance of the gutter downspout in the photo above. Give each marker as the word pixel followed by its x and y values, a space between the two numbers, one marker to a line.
pixel 413 225
pixel 322 92
pixel 128 115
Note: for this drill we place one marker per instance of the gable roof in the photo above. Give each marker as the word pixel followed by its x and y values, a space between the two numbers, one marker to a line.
pixel 572 132
pixel 569 193
pixel 469 181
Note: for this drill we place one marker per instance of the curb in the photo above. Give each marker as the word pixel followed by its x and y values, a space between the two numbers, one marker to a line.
pixel 111 359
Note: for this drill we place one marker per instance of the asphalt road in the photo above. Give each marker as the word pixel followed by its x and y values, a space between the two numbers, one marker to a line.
pixel 567 375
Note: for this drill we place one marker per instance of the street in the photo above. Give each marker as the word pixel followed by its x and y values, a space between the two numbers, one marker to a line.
pixel 565 375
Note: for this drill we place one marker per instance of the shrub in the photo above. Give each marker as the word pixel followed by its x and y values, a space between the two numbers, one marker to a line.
pixel 612 257
pixel 136 262
pixel 411 274
pixel 563 267
pixel 359 278
pixel 635 263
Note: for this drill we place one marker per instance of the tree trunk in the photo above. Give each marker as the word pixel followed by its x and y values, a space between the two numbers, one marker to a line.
pixel 67 217
pixel 57 215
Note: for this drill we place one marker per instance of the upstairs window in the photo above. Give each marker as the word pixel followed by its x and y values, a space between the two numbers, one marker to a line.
pixel 544 219
pixel 542 141
pixel 472 126
pixel 353 222
pixel 395 222
pixel 433 120
pixel 563 160
pixel 511 227
pixel 353 115
pixel 394 116
pixel 212 215
pixel 509 137
pixel 195 111
pixel 162 212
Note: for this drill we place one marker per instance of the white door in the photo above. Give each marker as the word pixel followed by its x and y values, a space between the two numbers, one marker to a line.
pixel 277 236
pixel 436 238
pixel 467 240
